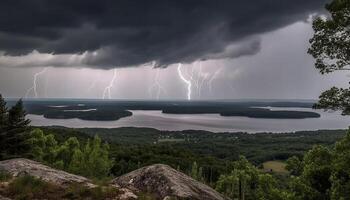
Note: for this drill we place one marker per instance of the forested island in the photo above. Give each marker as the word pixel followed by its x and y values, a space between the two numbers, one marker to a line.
pixel 114 110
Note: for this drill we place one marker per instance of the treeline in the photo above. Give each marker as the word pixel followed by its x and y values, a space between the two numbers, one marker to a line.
pixel 321 174
pixel 17 139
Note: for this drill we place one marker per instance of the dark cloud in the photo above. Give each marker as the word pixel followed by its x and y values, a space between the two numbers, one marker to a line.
pixel 133 32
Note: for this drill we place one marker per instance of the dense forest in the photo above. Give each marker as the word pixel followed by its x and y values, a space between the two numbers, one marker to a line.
pixel 316 163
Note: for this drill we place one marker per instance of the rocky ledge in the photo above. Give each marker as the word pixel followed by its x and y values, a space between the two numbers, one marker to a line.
pixel 161 181
pixel 165 182
pixel 20 166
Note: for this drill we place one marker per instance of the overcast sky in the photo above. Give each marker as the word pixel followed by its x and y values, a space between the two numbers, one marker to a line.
pixel 227 49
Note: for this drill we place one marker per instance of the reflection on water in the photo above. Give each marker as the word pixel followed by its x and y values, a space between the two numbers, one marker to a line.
pixel 209 122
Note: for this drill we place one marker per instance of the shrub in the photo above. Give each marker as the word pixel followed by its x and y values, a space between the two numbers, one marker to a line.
pixel 29 187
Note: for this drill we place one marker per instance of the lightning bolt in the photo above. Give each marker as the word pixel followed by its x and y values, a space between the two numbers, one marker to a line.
pixel 187 82
pixel 210 82
pixel 201 78
pixel 157 85
pixel 107 90
pixel 198 77
pixel 34 87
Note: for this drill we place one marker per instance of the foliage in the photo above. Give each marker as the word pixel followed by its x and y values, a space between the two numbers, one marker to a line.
pixel 341 169
pixel 77 191
pixel 242 182
pixel 16 116
pixel 294 166
pixel 13 130
pixel 325 173
pixel 335 99
pixel 28 187
pixel 91 160
pixel 197 172
pixel 3 124
pixel 331 41
pixel 3 114
pixel 132 148
pixel 330 47
pixel 322 174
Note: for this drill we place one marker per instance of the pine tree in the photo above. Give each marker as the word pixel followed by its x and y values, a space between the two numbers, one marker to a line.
pixel 194 170
pixel 17 116
pixel 3 114
pixel 3 125
pixel 16 131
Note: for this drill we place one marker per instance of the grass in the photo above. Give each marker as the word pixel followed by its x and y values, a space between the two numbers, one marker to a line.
pixel 4 176
pixel 77 191
pixel 275 166
pixel 30 188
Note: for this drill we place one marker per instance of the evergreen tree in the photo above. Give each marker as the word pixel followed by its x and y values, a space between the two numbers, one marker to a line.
pixel 3 125
pixel 3 114
pixel 16 135
pixel 17 116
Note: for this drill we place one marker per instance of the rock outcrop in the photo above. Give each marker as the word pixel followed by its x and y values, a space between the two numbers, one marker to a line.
pixel 161 181
pixel 21 166
pixel 165 182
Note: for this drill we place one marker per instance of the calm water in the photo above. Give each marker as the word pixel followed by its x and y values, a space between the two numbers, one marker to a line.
pixel 210 122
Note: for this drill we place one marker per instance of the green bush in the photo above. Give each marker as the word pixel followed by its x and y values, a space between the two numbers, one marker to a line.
pixel 29 187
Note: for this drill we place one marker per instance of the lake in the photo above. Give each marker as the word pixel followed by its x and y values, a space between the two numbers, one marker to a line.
pixel 209 122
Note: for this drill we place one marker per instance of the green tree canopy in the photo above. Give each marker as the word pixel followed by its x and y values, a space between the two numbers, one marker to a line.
pixel 91 160
pixel 330 46
pixel 16 131
pixel 17 116
pixel 331 41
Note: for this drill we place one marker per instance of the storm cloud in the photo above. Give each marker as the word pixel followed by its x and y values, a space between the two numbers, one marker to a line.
pixel 120 33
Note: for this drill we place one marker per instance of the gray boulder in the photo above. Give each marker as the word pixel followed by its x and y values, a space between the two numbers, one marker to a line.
pixel 21 166
pixel 165 182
